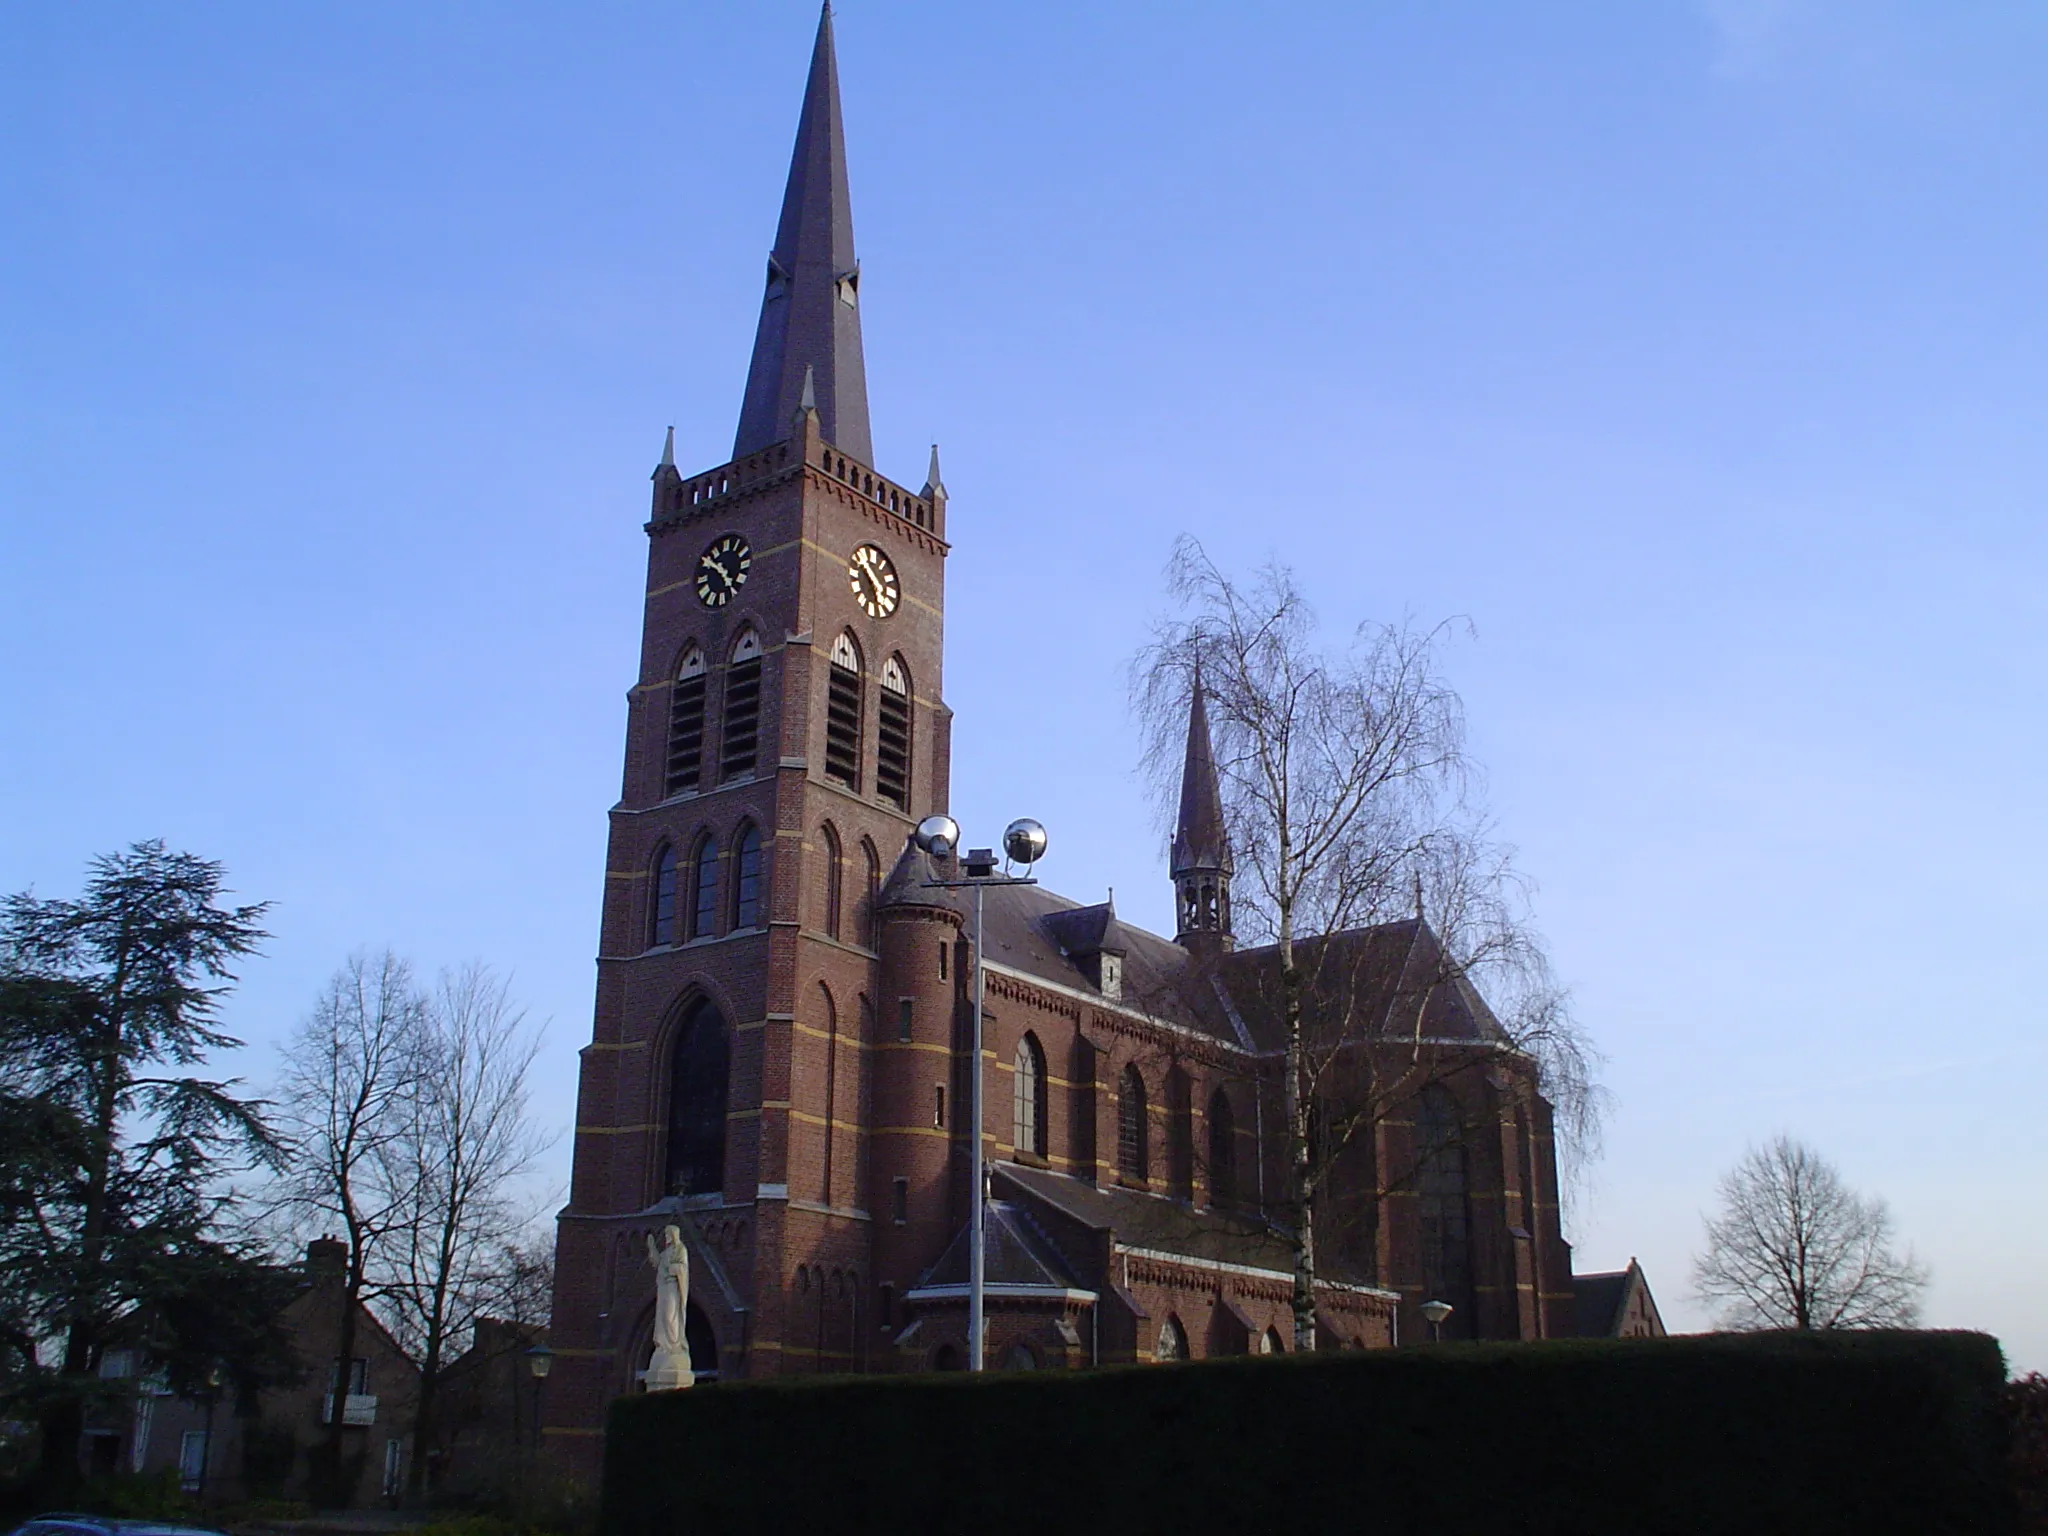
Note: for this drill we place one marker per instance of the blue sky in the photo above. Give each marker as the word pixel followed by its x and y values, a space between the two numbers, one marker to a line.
pixel 1696 352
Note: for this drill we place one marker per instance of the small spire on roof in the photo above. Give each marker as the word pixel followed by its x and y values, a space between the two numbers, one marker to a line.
pixel 668 451
pixel 809 402
pixel 933 485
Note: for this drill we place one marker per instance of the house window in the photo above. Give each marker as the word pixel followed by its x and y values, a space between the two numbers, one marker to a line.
pixel 192 1460
pixel 842 714
pixel 892 748
pixel 1173 1343
pixel 698 1067
pixel 1028 1098
pixel 742 724
pixel 1020 1358
pixel 904 1010
pixel 394 1467
pixel 939 1105
pixel 664 925
pixel 358 1376
pixel 1270 1343
pixel 747 903
pixel 885 1305
pixel 1222 1150
pixel 686 725
pixel 704 888
pixel 1130 1127
pixel 899 1201
pixel 942 959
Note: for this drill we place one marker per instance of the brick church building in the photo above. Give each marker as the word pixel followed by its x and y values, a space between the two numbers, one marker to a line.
pixel 778 1061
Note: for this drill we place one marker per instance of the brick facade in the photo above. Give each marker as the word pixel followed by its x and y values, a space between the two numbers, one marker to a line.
pixel 835 1015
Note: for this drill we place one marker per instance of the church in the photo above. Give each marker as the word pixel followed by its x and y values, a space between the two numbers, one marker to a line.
pixel 781 1056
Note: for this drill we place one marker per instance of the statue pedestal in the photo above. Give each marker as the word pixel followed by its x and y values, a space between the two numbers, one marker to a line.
pixel 669 1371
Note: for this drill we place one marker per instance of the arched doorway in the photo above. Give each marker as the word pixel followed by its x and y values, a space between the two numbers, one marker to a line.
pixel 703 1344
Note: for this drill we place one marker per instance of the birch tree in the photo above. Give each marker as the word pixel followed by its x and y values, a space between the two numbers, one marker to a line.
pixel 350 1090
pixel 1349 795
pixel 466 1150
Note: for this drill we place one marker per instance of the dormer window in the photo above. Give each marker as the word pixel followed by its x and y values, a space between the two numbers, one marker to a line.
pixel 1112 975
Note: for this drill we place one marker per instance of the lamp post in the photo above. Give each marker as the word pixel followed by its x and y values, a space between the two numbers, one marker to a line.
pixel 213 1381
pixel 1436 1312
pixel 1023 843
pixel 539 1360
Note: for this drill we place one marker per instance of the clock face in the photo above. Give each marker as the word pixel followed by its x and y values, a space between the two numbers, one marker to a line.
pixel 874 582
pixel 722 570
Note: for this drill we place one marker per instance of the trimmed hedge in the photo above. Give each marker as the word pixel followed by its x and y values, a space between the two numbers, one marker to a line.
pixel 1808 1433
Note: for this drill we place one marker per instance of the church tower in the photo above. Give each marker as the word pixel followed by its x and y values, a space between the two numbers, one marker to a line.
pixel 1200 865
pixel 784 734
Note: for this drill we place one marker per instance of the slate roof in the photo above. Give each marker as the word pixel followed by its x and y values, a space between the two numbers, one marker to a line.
pixel 1138 1220
pixel 1201 840
pixel 1014 1252
pixel 1391 974
pixel 807 330
pixel 1597 1301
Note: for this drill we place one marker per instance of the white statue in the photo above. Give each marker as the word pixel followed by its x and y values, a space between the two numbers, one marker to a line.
pixel 668 1368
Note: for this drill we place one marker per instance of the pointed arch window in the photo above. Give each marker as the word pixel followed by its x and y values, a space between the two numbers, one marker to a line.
pixel 1131 1138
pixel 843 689
pixel 685 769
pixel 892 745
pixel 698 1064
pixel 1180 1134
pixel 1442 1203
pixel 702 918
pixel 1222 1150
pixel 829 896
pixel 749 888
pixel 662 928
pixel 1173 1341
pixel 872 911
pixel 1028 1098
pixel 740 748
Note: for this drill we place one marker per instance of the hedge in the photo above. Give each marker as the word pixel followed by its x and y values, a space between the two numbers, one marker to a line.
pixel 1808 1433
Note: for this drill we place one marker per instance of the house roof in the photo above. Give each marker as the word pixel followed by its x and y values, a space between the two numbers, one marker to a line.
pixel 1600 1301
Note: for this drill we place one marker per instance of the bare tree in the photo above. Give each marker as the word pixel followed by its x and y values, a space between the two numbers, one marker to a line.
pixel 462 1158
pixel 1795 1247
pixel 1348 794
pixel 350 1088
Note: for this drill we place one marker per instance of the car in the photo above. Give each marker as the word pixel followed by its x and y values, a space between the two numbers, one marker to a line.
pixel 68 1523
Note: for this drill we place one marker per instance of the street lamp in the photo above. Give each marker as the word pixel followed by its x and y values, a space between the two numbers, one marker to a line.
pixel 1435 1312
pixel 1023 843
pixel 539 1360
pixel 213 1384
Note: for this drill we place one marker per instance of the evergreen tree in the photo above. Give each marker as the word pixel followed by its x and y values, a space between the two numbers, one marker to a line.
pixel 114 1155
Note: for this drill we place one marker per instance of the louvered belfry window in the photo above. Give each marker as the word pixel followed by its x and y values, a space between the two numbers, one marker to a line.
pixel 742 709
pixel 686 725
pixel 892 750
pixel 842 715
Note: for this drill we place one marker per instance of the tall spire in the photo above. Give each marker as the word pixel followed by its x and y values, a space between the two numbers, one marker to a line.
pixel 1201 864
pixel 810 315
